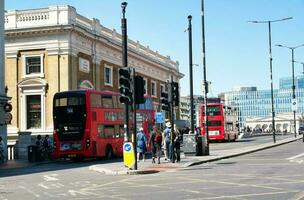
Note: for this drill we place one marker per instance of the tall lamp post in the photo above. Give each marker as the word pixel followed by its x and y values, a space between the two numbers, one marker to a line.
pixel 205 78
pixel 294 101
pixel 270 67
pixel 191 73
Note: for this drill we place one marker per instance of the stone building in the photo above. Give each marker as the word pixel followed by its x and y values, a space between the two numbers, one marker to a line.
pixel 56 49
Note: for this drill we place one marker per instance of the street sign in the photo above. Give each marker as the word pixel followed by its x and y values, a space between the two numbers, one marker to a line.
pixel 294 104
pixel 128 154
pixel 159 117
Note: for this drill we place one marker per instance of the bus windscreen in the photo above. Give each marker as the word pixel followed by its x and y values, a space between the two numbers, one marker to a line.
pixel 213 110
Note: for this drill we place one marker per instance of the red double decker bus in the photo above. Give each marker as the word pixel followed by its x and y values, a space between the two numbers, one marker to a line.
pixel 222 121
pixel 90 123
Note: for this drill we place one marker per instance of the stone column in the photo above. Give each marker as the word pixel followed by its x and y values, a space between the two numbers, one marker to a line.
pixel 24 140
pixel 3 98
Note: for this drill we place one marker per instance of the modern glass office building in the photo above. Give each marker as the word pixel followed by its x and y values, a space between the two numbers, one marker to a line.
pixel 252 102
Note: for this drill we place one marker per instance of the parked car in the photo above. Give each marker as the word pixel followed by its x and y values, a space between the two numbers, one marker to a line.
pixel 301 130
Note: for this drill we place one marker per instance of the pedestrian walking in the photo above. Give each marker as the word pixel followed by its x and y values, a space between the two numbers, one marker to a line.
pixel 39 148
pixel 152 143
pixel 141 144
pixel 158 144
pixel 47 147
pixel 177 142
pixel 2 157
pixel 166 141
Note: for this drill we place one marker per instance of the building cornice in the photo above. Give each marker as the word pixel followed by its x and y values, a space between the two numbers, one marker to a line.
pixel 64 18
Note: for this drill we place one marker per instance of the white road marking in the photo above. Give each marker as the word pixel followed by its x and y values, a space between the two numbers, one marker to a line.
pixel 50 177
pixel 294 157
pixel 30 191
pixel 298 196
pixel 81 192
pixel 43 186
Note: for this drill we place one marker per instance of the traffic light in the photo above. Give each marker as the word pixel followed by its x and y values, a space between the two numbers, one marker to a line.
pixel 125 86
pixel 175 93
pixel 139 90
pixel 164 101
pixel 8 116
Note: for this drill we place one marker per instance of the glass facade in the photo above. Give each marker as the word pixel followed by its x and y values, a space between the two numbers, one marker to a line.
pixel 257 103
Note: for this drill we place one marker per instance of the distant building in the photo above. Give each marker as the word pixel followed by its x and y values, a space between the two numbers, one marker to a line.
pixel 253 103
pixel 185 108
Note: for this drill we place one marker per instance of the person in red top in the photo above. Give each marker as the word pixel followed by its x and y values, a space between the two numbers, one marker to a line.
pixel 158 143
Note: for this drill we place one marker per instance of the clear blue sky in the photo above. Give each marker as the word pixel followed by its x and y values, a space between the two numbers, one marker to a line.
pixel 236 51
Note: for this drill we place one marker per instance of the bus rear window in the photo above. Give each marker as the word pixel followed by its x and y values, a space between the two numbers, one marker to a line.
pixel 69 101
pixel 214 123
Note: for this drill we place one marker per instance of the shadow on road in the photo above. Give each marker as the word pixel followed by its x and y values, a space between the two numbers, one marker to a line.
pixel 27 168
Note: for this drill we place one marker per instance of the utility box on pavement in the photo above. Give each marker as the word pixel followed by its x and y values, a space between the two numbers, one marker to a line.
pixel 32 153
pixel 189 144
pixel 201 146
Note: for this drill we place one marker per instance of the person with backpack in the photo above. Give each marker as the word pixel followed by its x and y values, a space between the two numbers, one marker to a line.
pixel 152 143
pixel 158 144
pixel 141 144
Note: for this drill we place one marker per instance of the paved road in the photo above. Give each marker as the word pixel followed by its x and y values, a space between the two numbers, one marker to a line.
pixel 270 174
pixel 246 141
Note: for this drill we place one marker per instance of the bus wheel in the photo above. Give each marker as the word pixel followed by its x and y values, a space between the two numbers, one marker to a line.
pixel 109 152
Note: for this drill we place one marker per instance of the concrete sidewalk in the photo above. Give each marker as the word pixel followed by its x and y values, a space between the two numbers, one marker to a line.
pixel 186 161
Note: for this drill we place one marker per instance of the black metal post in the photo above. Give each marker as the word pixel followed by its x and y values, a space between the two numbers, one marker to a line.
pixel 125 61
pixel 293 92
pixel 271 83
pixel 134 120
pixel 172 121
pixel 205 80
pixel 191 74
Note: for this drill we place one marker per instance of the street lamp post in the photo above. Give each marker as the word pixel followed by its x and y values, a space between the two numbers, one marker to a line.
pixel 294 102
pixel 191 74
pixel 205 79
pixel 125 61
pixel 270 67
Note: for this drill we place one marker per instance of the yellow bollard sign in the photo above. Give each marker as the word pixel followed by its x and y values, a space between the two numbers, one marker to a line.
pixel 128 154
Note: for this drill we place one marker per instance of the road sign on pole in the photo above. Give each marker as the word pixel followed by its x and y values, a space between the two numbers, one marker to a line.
pixel 128 154
pixel 159 117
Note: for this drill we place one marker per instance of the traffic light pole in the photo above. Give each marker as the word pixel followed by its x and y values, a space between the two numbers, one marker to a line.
pixel 191 75
pixel 172 120
pixel 125 62
pixel 205 80
pixel 134 120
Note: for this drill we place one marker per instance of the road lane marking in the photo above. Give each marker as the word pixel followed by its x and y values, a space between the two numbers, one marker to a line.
pixel 43 186
pixel 30 191
pixel 247 195
pixel 50 177
pixel 294 157
pixel 298 196
pixel 81 192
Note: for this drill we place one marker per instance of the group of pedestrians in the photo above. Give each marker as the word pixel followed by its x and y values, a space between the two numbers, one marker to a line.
pixel 159 140
pixel 44 148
